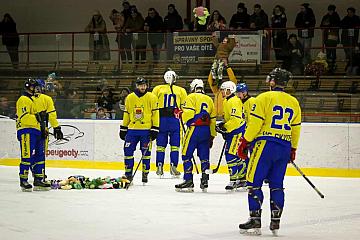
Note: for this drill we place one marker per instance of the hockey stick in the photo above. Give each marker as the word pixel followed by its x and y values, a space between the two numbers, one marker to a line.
pixel 307 179
pixel 212 171
pixel 141 160
pixel 183 127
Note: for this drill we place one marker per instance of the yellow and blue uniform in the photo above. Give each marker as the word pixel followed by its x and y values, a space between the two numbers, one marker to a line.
pixel 29 136
pixel 235 127
pixel 140 115
pixel 200 117
pixel 45 104
pixel 274 128
pixel 169 98
pixel 248 103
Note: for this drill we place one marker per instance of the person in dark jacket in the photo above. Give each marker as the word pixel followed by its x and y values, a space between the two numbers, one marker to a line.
pixel 10 38
pixel 259 21
pixel 241 19
pixel 349 33
pixel 173 21
pixel 293 53
pixel 305 22
pixel 278 20
pixel 330 24
pixel 154 26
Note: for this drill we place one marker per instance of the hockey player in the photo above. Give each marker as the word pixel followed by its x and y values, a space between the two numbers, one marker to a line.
pixel 170 98
pixel 274 130
pixel 45 106
pixel 199 116
pixel 243 93
pixel 29 134
pixel 140 124
pixel 232 129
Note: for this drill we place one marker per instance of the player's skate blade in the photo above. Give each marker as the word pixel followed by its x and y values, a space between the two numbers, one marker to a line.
pixel 186 186
pixel 40 185
pixel 26 187
pixel 251 232
pixel 174 172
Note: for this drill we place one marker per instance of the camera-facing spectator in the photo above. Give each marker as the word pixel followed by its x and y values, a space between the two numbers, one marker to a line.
pixel 123 94
pixel 5 109
pixel 349 33
pixel 102 114
pixel 305 22
pixel 126 10
pixel 10 38
pixel 107 100
pixel 293 54
pixel 216 22
pixel 241 19
pixel 154 25
pixel 259 21
pixel 98 39
pixel 279 36
pixel 173 21
pixel 331 35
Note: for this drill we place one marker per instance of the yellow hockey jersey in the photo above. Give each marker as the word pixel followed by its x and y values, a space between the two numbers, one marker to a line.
pixel 166 98
pixel 275 116
pixel 232 107
pixel 194 104
pixel 44 102
pixel 247 105
pixel 141 113
pixel 25 112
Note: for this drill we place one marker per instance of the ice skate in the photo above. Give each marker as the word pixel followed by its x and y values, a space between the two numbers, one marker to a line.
pixel 231 186
pixel 186 186
pixel 160 170
pixel 241 185
pixel 144 178
pixel 275 221
pixel 25 186
pixel 253 225
pixel 174 172
pixel 41 185
pixel 204 182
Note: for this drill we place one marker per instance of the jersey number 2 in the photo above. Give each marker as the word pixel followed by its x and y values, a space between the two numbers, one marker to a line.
pixel 279 115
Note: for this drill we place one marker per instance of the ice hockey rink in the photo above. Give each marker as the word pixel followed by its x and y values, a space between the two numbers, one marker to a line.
pixel 156 211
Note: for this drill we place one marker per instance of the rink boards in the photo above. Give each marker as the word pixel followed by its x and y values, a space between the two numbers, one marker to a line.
pixel 325 149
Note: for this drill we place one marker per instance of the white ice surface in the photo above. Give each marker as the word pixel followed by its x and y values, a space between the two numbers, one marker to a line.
pixel 156 211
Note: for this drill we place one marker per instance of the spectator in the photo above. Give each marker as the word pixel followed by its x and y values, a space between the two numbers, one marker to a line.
pixel 305 22
pixel 154 25
pixel 241 19
pixel 102 114
pixel 135 25
pixel 216 22
pixel 10 39
pixel 349 33
pixel 293 54
pixel 173 21
pixel 64 104
pixel 126 10
pixel 331 35
pixel 106 100
pixel 98 40
pixel 5 109
pixel 123 94
pixel 353 65
pixel 259 21
pixel 278 20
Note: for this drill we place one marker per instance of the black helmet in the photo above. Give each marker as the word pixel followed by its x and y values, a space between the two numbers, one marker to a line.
pixel 141 80
pixel 279 76
pixel 30 83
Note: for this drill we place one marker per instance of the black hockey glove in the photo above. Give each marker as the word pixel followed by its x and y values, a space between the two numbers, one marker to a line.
pixel 58 134
pixel 154 131
pixel 211 141
pixel 221 129
pixel 123 132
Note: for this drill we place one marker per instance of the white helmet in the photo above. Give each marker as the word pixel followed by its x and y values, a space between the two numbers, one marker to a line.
pixel 196 83
pixel 170 77
pixel 228 85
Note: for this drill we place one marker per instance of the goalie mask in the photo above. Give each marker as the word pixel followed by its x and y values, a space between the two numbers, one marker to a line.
pixel 170 77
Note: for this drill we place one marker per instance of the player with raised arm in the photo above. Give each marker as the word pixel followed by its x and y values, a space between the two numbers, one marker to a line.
pixel 45 106
pixel 29 135
pixel 273 131
pixel 232 129
pixel 140 124
pixel 170 98
pixel 200 118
